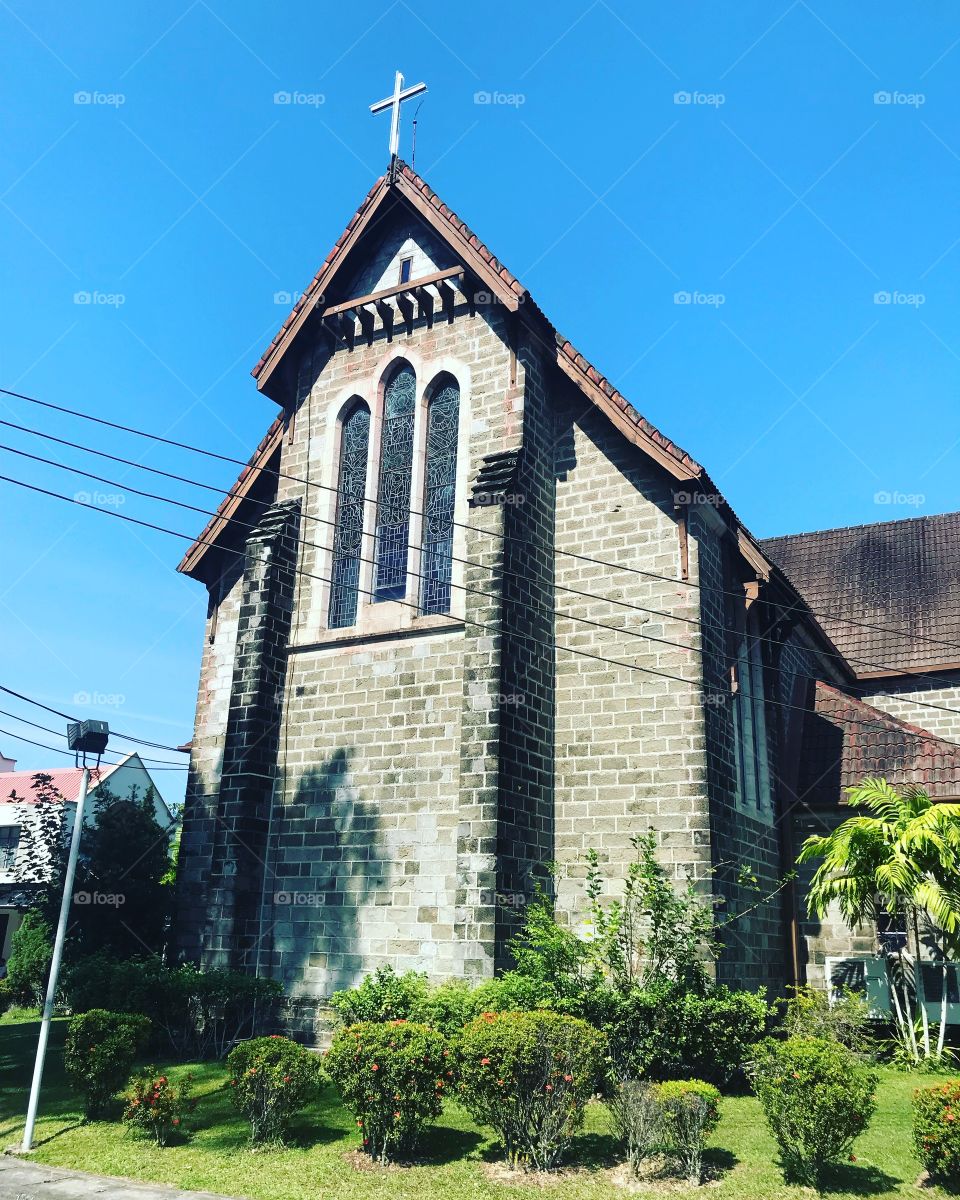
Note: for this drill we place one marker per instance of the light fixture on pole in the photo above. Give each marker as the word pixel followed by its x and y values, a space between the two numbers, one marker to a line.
pixel 83 737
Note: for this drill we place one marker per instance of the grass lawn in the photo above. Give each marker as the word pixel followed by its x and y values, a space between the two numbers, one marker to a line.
pixel 458 1153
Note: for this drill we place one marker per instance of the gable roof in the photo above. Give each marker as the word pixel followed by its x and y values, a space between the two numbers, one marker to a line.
pixel 846 741
pixel 901 575
pixel 410 188
pixel 66 780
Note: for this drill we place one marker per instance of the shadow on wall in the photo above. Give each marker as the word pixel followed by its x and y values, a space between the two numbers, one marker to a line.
pixel 328 867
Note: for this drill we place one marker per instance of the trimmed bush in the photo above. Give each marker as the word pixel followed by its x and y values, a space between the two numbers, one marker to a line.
pixel 691 1112
pixel 393 1076
pixel 529 1075
pixel 936 1131
pixel 382 996
pixel 156 1107
pixel 637 1118
pixel 197 1014
pixel 817 1097
pixel 272 1079
pixel 664 1032
pixel 31 949
pixel 7 997
pixel 100 1050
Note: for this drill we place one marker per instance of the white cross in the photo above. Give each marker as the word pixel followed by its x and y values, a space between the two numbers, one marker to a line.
pixel 393 102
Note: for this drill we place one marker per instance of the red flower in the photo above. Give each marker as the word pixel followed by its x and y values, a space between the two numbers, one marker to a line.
pixel 568 1078
pixel 375 1067
pixel 548 1088
pixel 176 1120
pixel 484 1062
pixel 853 1158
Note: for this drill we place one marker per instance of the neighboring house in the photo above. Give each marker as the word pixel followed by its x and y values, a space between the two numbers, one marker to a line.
pixel 118 779
pixel 409 706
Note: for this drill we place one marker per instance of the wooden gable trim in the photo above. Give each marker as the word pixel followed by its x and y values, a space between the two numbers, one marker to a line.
pixel 234 498
pixel 916 669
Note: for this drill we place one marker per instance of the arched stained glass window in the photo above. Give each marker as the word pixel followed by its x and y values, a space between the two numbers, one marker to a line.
pixel 393 497
pixel 439 493
pixel 348 531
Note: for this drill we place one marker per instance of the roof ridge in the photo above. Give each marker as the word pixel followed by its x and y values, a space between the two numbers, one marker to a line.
pixel 784 537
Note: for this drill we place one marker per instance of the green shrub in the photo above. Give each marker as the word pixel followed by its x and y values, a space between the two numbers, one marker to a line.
pixel 99 1051
pixel 529 1075
pixel 7 997
pixel 272 1079
pixel 691 1112
pixel 637 1118
pixel 817 1097
pixel 809 1012
pixel 156 1107
pixel 393 1076
pixel 197 1014
pixel 31 949
pixel 667 1033
pixel 382 996
pixel 936 1131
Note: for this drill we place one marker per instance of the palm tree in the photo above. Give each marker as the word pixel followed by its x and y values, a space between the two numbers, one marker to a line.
pixel 903 855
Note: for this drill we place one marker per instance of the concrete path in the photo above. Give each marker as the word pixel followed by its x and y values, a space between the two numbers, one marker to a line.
pixel 21 1179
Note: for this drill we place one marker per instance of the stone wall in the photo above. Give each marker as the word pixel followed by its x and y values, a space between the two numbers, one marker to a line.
pixel 899 698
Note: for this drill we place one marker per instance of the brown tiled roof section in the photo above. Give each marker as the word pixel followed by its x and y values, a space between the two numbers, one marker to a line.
pixel 564 347
pixel 901 575
pixel 226 505
pixel 846 741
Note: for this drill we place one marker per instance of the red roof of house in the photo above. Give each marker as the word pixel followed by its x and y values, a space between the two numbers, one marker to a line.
pixel 65 779
pixel 846 740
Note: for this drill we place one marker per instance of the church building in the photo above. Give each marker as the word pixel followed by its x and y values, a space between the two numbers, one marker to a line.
pixel 471 614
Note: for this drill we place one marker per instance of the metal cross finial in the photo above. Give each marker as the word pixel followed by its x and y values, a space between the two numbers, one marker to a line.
pixel 393 102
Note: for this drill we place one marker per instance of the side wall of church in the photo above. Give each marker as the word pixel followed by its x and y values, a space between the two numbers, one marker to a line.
pixel 899 698
pixel 630 742
pixel 206 760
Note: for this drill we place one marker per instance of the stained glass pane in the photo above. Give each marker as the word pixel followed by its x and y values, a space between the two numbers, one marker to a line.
pixel 348 531
pixel 439 494
pixel 393 499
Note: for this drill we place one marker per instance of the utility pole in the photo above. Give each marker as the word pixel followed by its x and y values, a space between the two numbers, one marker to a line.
pixel 83 737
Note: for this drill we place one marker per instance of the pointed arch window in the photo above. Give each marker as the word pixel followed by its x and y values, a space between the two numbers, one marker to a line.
pixel 393 493
pixel 348 529
pixel 440 482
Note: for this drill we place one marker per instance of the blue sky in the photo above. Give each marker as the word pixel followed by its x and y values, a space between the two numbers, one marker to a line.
pixel 791 169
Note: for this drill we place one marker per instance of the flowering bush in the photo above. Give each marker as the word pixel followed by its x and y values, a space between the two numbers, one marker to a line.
pixel 271 1079
pixel 393 1076
pixel 817 1097
pixel 529 1075
pixel 157 1107
pixel 99 1052
pixel 936 1131
pixel 691 1111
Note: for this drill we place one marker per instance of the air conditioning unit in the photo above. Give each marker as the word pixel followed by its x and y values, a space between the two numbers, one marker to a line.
pixel 931 979
pixel 865 976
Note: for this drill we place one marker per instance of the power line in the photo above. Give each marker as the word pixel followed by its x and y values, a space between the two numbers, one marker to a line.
pixel 302 541
pixel 554 645
pixel 57 733
pixel 270 473
pixel 67 753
